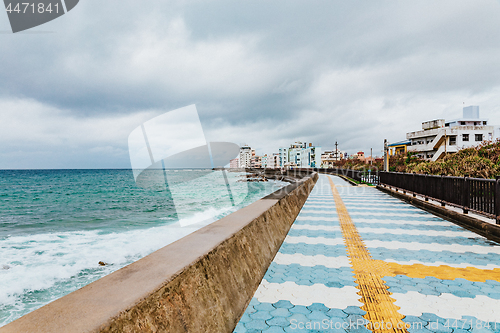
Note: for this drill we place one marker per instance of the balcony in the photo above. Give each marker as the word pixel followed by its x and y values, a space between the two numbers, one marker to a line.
pixel 422 133
pixel 417 148
pixel 449 131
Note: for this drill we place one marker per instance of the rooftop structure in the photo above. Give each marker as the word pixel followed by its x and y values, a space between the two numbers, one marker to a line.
pixel 439 137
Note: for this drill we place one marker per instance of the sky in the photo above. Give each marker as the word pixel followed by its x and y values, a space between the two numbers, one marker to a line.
pixel 262 73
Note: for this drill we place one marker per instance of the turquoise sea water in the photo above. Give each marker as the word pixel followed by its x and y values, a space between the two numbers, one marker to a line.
pixel 56 225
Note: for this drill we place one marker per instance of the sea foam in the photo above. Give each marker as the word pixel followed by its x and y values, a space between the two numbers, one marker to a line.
pixel 53 246
pixel 39 263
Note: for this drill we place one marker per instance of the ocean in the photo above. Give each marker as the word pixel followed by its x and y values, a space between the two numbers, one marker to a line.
pixel 57 225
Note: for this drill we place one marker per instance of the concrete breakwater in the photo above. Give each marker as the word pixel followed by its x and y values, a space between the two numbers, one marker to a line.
pixel 200 283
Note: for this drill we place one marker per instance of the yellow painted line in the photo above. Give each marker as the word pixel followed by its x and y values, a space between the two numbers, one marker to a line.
pixel 443 272
pixel 381 312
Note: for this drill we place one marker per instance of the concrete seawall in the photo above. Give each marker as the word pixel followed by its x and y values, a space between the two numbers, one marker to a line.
pixel 200 283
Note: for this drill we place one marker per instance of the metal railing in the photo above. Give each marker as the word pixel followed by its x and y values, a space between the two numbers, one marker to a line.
pixel 478 195
pixel 367 176
pixel 370 177
pixel 353 174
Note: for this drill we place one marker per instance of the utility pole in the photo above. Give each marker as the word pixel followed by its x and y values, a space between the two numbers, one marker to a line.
pixel 386 156
pixel 336 151
pixel 371 156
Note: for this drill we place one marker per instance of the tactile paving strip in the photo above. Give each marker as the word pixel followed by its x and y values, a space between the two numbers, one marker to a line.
pixel 380 309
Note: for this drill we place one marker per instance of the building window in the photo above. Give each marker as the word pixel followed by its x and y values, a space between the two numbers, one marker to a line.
pixel 465 137
pixel 453 140
pixel 479 137
pixel 484 122
pixel 462 123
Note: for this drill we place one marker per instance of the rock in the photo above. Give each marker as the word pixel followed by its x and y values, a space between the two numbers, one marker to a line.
pixel 102 263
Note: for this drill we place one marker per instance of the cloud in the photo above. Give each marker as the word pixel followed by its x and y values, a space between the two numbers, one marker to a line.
pixel 41 135
pixel 263 73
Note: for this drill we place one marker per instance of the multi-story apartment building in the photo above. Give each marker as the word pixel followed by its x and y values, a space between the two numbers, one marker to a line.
pixel 245 157
pixel 329 157
pixel 283 156
pixel 256 161
pixel 439 137
pixel 234 163
pixel 263 161
pixel 300 155
pixel 273 161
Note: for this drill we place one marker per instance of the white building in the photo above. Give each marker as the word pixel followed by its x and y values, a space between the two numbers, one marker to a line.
pixel 328 158
pixel 439 137
pixel 245 157
pixel 272 161
pixel 283 159
pixel 234 163
pixel 300 155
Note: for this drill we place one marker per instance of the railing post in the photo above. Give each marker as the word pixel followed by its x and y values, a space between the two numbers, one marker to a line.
pixel 425 184
pixel 442 191
pixel 497 199
pixel 413 185
pixel 394 175
pixel 465 195
pixel 404 185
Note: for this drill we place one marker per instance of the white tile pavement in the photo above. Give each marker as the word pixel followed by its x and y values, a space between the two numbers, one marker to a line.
pixel 338 298
pixel 394 231
pixel 311 261
pixel 446 305
pixel 314 240
pixel 316 227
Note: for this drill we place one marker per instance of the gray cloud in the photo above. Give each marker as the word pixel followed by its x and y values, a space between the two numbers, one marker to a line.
pixel 263 73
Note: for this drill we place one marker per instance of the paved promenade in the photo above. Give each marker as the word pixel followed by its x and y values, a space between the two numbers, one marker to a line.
pixel 359 260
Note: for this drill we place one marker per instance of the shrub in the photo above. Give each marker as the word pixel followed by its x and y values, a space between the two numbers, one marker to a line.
pixel 482 161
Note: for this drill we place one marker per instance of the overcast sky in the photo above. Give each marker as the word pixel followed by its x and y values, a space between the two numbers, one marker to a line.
pixel 264 73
